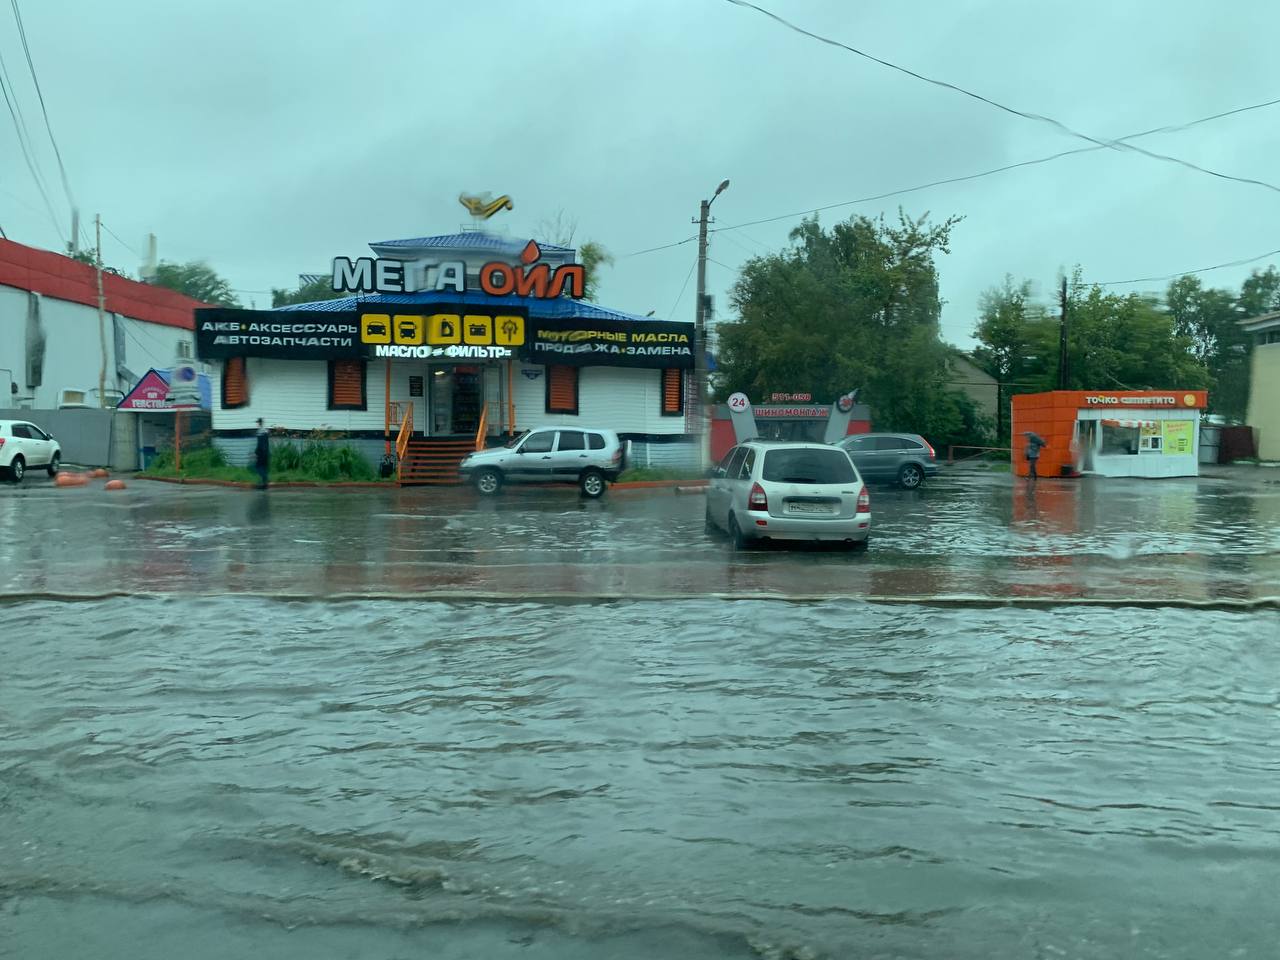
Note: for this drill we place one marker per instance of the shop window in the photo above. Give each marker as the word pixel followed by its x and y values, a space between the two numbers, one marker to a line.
pixel 235 384
pixel 562 390
pixel 672 392
pixel 1119 440
pixel 347 385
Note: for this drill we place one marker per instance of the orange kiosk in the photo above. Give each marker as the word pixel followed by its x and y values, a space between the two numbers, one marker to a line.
pixel 1109 433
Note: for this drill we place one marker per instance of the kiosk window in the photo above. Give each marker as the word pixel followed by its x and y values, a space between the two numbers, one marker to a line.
pixel 1118 440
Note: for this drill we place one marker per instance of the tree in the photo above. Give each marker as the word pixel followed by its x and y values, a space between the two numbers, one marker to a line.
pixel 1115 341
pixel 197 280
pixel 89 257
pixel 321 288
pixel 1210 318
pixel 855 306
pixel 560 229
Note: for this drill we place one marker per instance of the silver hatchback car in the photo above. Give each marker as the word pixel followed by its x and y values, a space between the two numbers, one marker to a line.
pixel 589 457
pixel 766 490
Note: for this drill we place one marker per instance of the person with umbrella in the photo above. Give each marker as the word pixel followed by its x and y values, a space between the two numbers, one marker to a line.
pixel 1032 452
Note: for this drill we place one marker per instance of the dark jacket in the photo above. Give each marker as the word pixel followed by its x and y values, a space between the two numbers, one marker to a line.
pixel 1034 443
pixel 262 453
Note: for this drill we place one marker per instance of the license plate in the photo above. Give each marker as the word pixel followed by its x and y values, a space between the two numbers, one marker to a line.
pixel 820 509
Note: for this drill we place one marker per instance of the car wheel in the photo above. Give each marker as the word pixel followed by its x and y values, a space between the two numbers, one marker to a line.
pixel 859 546
pixel 591 483
pixel 54 464
pixel 17 469
pixel 735 534
pixel 488 482
pixel 910 476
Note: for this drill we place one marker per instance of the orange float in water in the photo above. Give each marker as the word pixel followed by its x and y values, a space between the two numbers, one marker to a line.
pixel 99 472
pixel 115 485
pixel 70 480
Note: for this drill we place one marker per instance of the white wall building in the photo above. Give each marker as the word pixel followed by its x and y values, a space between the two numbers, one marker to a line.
pixel 52 350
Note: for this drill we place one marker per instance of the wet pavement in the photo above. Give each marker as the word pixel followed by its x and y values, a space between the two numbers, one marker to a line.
pixel 966 535
pixel 421 750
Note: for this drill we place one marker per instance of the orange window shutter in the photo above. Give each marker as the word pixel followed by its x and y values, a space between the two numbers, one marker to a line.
pixel 672 391
pixel 562 389
pixel 235 383
pixel 347 387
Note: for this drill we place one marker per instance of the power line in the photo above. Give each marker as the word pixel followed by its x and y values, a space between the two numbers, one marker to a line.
pixel 1170 128
pixel 683 287
pixel 22 33
pixel 127 246
pixel 1175 276
pixel 665 246
pixel 1025 114
pixel 26 154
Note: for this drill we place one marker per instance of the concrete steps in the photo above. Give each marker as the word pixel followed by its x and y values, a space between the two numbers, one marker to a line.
pixel 434 462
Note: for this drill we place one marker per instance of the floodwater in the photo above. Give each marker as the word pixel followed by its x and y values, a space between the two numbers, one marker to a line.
pixel 542 732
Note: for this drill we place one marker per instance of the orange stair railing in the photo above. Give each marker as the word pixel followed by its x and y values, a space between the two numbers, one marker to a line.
pixel 483 430
pixel 402 438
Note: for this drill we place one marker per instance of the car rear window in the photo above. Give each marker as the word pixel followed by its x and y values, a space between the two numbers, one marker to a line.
pixel 595 441
pixel 808 465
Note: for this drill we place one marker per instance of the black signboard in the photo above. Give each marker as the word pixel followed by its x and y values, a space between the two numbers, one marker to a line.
pixel 609 343
pixel 282 334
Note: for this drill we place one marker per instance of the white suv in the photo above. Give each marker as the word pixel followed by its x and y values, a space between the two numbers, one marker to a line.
pixel 589 457
pixel 24 446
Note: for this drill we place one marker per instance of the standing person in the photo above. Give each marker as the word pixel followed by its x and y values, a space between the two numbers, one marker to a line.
pixel 262 455
pixel 1034 443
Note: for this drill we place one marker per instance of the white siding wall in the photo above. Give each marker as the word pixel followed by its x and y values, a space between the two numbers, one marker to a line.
pixel 293 395
pixel 73 349
pixel 614 398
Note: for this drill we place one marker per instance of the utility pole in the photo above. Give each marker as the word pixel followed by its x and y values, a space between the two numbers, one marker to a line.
pixel 700 331
pixel 102 321
pixel 1064 358
pixel 700 338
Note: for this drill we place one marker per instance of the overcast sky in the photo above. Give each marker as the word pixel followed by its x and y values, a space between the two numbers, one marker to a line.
pixel 266 138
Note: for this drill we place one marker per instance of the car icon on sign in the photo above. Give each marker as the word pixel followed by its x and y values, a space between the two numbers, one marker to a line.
pixel 376 328
pixel 407 330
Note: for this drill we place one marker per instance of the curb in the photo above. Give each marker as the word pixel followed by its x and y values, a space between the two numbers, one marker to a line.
pixel 244 485
pixel 679 486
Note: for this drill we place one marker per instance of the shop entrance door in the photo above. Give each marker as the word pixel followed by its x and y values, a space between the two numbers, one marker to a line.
pixel 457 396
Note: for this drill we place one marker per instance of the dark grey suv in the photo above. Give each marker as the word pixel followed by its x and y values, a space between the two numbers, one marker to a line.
pixel 905 458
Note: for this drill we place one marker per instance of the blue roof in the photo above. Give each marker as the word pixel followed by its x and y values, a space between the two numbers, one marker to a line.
pixel 551 308
pixel 473 241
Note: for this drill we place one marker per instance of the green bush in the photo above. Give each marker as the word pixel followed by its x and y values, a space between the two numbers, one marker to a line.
pixel 312 461
pixel 319 461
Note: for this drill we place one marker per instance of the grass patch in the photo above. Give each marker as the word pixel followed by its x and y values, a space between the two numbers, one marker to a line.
pixel 657 473
pixel 310 462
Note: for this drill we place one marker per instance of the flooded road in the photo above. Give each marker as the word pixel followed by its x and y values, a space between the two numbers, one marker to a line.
pixel 965 535
pixel 464 773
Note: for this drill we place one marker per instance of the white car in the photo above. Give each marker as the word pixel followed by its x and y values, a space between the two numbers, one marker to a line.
pixel 769 490
pixel 24 446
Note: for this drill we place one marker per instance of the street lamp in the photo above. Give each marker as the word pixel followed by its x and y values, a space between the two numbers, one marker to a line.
pixel 700 328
